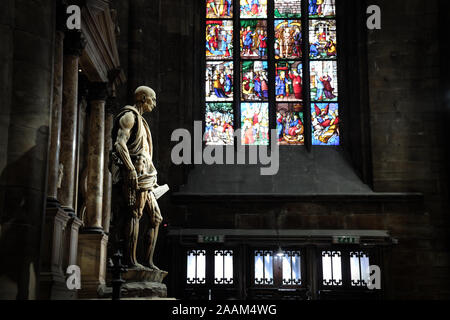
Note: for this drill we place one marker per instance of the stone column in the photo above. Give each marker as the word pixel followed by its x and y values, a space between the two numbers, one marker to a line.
pixel 52 274
pixel 96 158
pixel 55 131
pixel 92 246
pixel 107 178
pixel 73 48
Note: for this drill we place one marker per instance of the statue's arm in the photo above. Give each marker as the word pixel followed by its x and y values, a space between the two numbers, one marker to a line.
pixel 126 124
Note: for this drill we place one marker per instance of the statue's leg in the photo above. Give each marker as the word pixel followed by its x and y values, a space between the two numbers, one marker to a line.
pixel 154 212
pixel 132 230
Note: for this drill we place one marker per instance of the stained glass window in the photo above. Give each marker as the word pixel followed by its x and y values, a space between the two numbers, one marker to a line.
pixel 223 267
pixel 288 39
pixel 255 123
pixel 290 124
pixel 219 39
pixel 254 8
pixel 196 267
pixel 272 63
pixel 253 41
pixel 322 39
pixel 219 8
pixel 219 124
pixel 254 80
pixel 288 81
pixel 288 8
pixel 322 8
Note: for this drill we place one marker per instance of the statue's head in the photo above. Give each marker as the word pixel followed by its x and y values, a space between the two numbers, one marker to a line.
pixel 145 98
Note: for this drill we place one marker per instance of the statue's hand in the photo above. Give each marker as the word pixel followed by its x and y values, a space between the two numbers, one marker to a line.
pixel 132 187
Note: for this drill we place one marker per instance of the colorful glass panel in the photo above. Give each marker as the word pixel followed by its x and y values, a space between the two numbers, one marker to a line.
pixel 288 39
pixel 322 39
pixel 290 124
pixel 255 124
pixel 219 81
pixel 222 9
pixel 219 123
pixel 253 8
pixel 322 8
pixel 324 86
pixel 288 9
pixel 288 81
pixel 325 124
pixel 253 40
pixel 254 81
pixel 219 40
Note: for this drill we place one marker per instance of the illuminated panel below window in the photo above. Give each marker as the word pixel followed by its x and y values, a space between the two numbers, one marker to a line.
pixel 360 269
pixel 331 268
pixel 223 267
pixel 196 267
pixel 264 267
pixel 291 268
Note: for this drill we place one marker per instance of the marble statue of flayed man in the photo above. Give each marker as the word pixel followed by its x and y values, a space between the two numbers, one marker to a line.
pixel 135 187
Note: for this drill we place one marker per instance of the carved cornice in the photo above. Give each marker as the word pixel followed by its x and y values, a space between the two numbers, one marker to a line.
pixel 74 43
pixel 101 60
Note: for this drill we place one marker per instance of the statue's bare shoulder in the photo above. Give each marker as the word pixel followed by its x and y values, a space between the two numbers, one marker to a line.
pixel 127 121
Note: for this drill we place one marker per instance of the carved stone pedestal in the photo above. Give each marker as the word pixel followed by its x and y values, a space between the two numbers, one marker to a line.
pixel 72 235
pixel 52 275
pixel 92 261
pixel 142 283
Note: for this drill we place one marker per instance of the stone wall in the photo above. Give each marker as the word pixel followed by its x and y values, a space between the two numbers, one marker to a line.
pixel 408 121
pixel 26 33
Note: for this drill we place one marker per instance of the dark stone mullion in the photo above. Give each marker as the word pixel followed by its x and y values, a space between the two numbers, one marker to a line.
pixel 306 76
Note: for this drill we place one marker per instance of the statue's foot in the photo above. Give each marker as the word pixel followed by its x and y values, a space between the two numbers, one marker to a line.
pixel 136 266
pixel 153 267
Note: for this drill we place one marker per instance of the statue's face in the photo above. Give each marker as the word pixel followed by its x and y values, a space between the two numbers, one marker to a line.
pixel 146 99
pixel 150 103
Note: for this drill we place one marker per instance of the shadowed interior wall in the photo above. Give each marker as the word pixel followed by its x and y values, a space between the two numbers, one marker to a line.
pixel 27 33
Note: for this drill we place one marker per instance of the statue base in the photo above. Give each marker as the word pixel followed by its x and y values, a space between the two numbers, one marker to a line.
pixel 143 274
pixel 140 283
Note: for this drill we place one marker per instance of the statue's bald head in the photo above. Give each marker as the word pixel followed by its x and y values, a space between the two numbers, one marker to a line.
pixel 145 98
